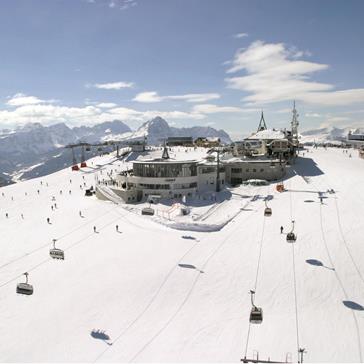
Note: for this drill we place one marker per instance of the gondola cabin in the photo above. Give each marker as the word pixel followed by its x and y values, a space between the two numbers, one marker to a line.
pixel 24 288
pixel 256 315
pixel 267 211
pixel 291 237
pixel 148 211
pixel 280 187
pixel 56 253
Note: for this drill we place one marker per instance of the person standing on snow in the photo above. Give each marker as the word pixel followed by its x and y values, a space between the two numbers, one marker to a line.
pixel 281 229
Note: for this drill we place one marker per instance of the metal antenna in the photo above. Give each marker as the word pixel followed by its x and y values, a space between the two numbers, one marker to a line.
pixel 262 124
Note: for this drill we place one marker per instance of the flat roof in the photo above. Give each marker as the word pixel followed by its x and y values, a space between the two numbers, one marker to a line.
pixel 164 161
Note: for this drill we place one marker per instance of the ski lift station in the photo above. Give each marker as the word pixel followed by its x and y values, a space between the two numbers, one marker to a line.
pixel 166 177
pixel 264 155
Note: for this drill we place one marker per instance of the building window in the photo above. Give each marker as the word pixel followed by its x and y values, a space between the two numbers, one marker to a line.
pixel 262 169
pixel 254 170
pixel 236 170
pixel 247 170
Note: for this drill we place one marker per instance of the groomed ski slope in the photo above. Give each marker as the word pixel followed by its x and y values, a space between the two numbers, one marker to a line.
pixel 130 286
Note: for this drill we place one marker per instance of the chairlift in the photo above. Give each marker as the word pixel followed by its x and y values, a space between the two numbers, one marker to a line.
pixel 280 187
pixel 267 210
pixel 256 313
pixel 24 288
pixel 148 211
pixel 291 237
pixel 56 253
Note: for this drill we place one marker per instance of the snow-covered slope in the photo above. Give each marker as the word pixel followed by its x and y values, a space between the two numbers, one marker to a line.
pixel 325 135
pixel 150 293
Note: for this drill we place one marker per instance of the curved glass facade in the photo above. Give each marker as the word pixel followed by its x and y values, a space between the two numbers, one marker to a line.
pixel 165 170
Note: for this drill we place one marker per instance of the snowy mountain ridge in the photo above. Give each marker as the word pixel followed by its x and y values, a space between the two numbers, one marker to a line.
pixel 43 146
pixel 328 134
pixel 157 130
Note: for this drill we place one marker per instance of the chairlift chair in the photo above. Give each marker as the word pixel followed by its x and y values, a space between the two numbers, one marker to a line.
pixel 291 236
pixel 147 211
pixel 267 211
pixel 24 288
pixel 280 187
pixel 56 253
pixel 256 313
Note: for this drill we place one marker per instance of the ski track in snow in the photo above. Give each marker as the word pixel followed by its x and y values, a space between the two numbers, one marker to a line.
pixel 138 285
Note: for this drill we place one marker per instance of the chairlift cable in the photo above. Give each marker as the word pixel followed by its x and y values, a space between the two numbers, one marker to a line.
pixel 256 278
pixel 294 277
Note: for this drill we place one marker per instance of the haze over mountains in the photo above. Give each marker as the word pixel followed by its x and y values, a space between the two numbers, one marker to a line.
pixel 36 150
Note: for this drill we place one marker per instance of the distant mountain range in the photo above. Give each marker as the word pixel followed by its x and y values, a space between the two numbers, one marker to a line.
pixel 329 134
pixel 36 150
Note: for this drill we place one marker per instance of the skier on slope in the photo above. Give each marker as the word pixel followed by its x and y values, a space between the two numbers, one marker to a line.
pixel 281 229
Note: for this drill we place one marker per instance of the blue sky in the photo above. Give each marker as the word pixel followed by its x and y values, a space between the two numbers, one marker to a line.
pixel 194 62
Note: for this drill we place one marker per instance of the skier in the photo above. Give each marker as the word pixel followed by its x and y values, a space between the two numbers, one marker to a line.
pixel 38 192
pixel 117 228
pixel 6 215
pixel 55 205
pixel 52 207
pixel 281 229
pixel 94 229
pixel 80 213
pixel 48 220
pixel 22 216
pixel 69 191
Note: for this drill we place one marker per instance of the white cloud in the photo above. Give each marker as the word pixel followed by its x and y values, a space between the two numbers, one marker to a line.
pixel 152 96
pixel 148 96
pixel 312 115
pixel 213 109
pixel 20 99
pixel 240 35
pixel 274 73
pixel 86 115
pixel 106 105
pixel 195 97
pixel 112 85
